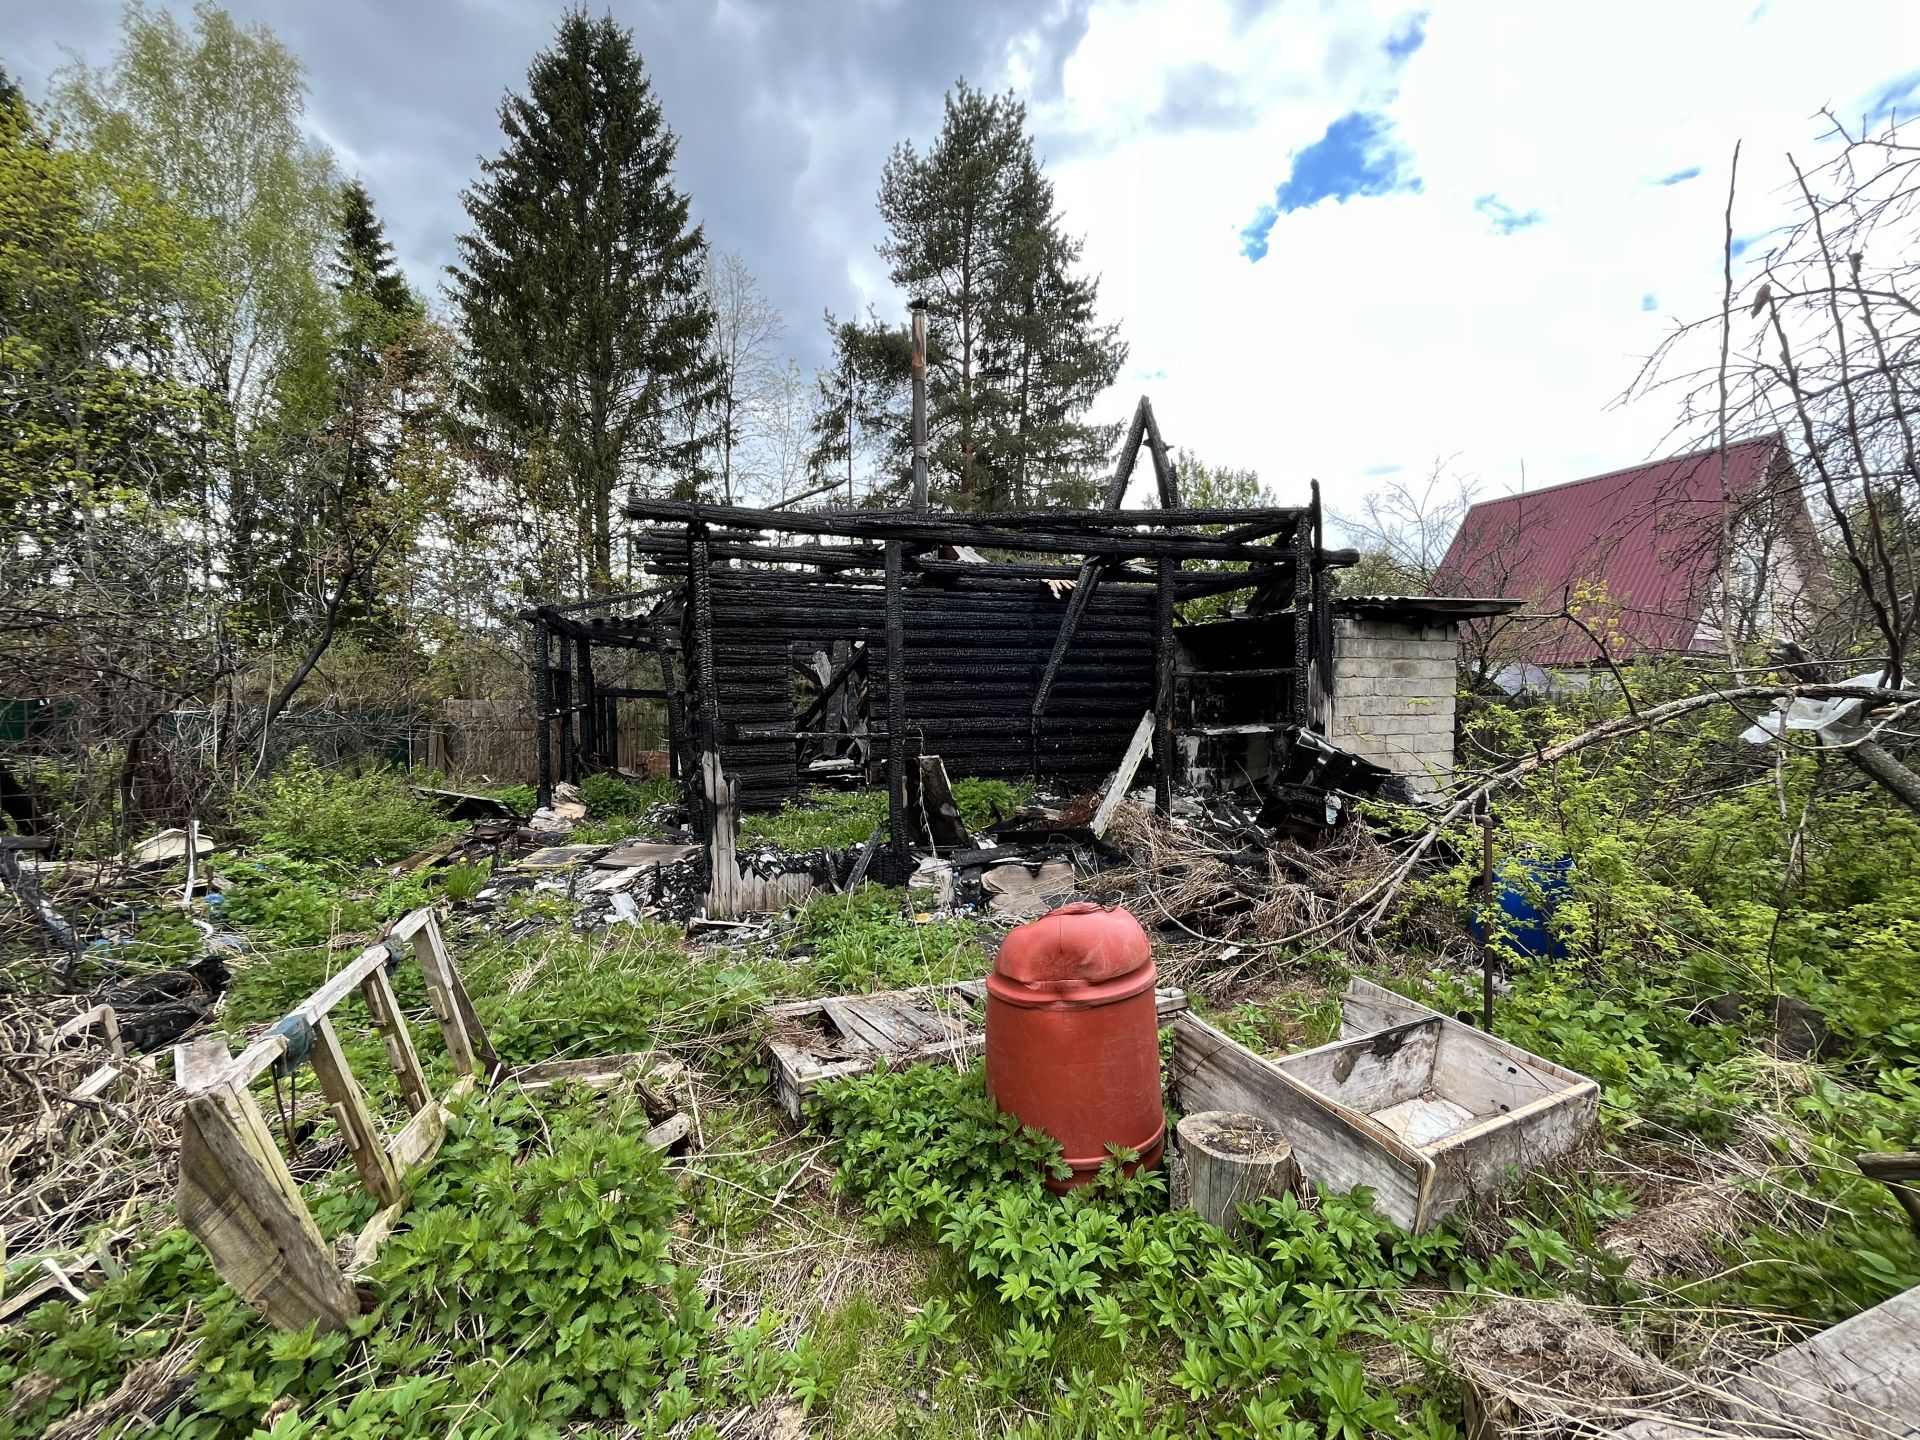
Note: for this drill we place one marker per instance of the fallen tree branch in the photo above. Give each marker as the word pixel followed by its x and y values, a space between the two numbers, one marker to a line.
pixel 1370 907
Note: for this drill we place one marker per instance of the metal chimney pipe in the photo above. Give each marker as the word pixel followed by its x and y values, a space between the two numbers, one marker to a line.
pixel 919 309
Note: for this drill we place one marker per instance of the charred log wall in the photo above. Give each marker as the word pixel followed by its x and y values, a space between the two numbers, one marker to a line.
pixel 974 653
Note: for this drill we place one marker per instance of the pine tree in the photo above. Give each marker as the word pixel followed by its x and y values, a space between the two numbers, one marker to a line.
pixel 579 290
pixel 1015 351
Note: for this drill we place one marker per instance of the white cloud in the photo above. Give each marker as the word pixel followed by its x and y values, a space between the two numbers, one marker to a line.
pixel 1388 330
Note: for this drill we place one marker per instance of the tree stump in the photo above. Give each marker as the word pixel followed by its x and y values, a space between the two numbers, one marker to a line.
pixel 1233 1159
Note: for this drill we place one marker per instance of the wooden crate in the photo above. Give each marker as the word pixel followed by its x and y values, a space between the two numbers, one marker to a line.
pixel 1422 1110
pixel 835 1036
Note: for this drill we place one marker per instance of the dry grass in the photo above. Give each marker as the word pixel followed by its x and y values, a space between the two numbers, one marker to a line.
pixel 74 1164
pixel 1201 880
pixel 1548 1367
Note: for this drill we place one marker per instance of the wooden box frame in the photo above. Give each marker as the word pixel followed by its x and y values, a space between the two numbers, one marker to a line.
pixel 1526 1112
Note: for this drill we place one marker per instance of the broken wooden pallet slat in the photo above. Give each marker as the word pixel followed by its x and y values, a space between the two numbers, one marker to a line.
pixel 352 1115
pixel 1122 778
pixel 1861 1377
pixel 852 1033
pixel 242 1205
pixel 384 1008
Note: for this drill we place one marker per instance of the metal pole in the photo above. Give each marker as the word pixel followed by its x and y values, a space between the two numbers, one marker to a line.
pixel 1486 920
pixel 919 308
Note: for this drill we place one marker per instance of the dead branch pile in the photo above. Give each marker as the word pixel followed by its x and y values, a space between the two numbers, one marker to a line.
pixel 1225 883
pixel 87 1137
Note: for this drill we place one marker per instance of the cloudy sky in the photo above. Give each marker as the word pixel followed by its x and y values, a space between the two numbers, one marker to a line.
pixel 1343 239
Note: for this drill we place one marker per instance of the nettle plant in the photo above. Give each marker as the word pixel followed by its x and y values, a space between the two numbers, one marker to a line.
pixel 1116 1316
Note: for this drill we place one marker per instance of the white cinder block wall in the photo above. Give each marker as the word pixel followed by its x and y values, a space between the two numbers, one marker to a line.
pixel 1393 695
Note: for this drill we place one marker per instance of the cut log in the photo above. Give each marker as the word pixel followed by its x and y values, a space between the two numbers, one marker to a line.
pixel 1233 1159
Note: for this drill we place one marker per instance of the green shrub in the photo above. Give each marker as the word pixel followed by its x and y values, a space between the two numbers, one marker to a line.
pixel 609 797
pixel 282 904
pixel 984 802
pixel 312 813
pixel 1270 1332
pixel 523 799
pixel 862 941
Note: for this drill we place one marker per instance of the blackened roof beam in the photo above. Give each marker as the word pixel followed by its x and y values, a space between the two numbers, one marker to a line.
pixel 1156 533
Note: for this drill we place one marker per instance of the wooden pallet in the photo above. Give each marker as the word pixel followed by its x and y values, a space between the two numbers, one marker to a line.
pixel 832 1037
pixel 238 1197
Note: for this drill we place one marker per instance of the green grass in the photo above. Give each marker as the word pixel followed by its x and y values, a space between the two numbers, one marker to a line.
pixel 841 819
pixel 821 820
pixel 865 940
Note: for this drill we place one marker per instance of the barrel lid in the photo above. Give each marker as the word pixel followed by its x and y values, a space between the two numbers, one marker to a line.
pixel 1080 943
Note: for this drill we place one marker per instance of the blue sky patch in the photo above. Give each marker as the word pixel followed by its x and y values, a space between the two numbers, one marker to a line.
pixel 1357 156
pixel 1408 36
pixel 1897 95
pixel 1649 302
pixel 1503 217
pixel 1253 236
pixel 1680 177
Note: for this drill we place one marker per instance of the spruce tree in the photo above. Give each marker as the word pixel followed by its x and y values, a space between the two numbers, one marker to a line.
pixel 579 289
pixel 1016 353
pixel 363 262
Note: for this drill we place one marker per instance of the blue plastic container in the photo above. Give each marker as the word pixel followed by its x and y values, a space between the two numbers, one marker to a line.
pixel 1528 887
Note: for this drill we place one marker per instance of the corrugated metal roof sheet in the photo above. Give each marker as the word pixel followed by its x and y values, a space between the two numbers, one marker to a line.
pixel 1647 537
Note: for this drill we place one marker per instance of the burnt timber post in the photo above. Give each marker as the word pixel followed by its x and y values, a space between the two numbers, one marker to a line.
pixel 1167 483
pixel 896 704
pixel 591 744
pixel 1303 558
pixel 563 704
pixel 1321 702
pixel 706 726
pixel 543 708
pixel 1163 759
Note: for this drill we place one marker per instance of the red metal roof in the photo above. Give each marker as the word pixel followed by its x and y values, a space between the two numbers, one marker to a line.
pixel 1647 537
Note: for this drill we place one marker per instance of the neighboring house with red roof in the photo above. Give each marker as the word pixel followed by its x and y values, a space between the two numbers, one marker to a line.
pixel 1634 554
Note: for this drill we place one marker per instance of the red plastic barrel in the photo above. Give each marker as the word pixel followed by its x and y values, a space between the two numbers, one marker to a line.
pixel 1073 1039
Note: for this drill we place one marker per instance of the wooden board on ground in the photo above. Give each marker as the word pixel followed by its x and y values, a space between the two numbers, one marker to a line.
pixel 645 854
pixel 561 857
pixel 1423 1111
pixel 1859 1378
pixel 834 1036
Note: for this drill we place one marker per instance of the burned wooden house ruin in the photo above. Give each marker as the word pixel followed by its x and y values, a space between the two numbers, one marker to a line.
pixel 792 645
